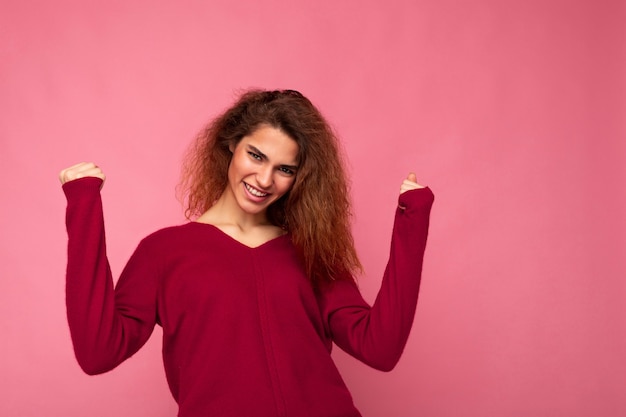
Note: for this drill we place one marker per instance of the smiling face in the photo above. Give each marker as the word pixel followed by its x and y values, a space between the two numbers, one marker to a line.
pixel 262 169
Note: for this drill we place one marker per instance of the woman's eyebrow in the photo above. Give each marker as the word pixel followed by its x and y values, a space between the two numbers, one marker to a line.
pixel 291 167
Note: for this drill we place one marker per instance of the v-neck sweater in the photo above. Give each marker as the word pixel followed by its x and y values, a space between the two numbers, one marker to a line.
pixel 244 332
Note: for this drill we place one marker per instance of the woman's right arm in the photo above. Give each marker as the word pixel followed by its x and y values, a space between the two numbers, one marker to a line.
pixel 106 327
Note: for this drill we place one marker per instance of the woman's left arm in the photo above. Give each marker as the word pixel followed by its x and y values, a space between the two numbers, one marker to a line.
pixel 377 335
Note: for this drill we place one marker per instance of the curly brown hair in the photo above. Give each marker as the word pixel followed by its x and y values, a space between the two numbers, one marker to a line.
pixel 316 211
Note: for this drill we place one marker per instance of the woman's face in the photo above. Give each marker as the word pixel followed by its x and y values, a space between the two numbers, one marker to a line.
pixel 263 168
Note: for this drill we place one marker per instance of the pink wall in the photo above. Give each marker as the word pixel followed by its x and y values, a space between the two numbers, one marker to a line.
pixel 512 111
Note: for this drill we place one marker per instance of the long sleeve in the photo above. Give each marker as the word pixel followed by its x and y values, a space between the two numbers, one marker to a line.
pixel 377 335
pixel 106 328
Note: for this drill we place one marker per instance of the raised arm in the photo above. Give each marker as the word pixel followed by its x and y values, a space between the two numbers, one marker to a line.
pixel 104 331
pixel 377 335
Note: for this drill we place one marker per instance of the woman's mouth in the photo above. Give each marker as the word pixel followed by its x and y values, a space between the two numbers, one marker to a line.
pixel 254 191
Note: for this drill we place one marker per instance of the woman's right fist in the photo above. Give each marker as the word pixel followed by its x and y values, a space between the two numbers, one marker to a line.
pixel 82 170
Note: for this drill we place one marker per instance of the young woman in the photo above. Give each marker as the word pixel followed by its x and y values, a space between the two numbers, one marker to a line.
pixel 254 290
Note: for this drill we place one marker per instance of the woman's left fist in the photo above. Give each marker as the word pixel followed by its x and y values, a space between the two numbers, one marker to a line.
pixel 410 183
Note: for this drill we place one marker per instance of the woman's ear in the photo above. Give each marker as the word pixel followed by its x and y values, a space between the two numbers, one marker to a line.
pixel 231 147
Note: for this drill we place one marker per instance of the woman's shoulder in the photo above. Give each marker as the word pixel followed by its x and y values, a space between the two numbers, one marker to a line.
pixel 171 235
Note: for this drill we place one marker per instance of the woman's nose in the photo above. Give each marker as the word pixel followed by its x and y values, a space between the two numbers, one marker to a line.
pixel 264 177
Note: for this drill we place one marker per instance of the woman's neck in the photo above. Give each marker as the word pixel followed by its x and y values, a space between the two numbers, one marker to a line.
pixel 226 212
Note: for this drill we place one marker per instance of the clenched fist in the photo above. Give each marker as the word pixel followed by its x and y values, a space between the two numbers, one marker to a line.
pixel 410 183
pixel 82 170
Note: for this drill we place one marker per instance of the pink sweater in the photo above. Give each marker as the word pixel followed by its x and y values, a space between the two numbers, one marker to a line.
pixel 244 333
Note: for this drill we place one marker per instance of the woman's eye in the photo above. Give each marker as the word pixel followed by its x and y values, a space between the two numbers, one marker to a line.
pixel 255 156
pixel 286 170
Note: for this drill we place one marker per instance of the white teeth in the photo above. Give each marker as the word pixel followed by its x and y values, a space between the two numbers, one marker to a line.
pixel 254 191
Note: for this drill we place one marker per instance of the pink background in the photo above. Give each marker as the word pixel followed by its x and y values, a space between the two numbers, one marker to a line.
pixel 512 111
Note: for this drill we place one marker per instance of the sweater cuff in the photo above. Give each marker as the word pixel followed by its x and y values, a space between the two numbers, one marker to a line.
pixel 82 186
pixel 416 199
